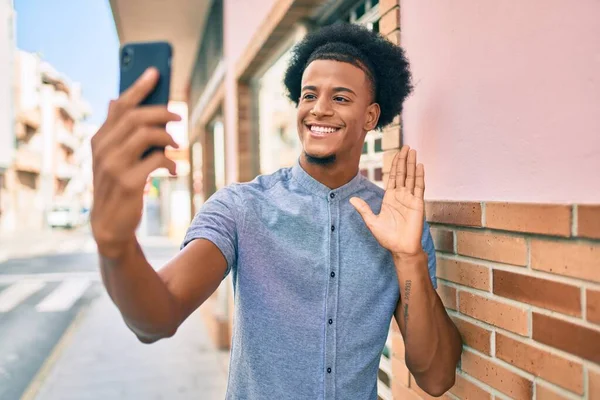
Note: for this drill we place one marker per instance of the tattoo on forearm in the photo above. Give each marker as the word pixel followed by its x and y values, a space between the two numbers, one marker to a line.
pixel 406 298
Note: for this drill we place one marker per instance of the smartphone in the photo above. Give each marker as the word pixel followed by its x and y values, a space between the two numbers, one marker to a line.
pixel 135 58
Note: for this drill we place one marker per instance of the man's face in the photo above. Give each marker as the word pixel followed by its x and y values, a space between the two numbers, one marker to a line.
pixel 335 110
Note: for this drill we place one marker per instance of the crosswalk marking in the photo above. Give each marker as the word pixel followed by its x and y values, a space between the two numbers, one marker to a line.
pixel 18 292
pixel 64 296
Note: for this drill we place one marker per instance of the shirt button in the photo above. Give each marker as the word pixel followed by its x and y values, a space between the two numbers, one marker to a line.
pixel 332 274
pixel 332 195
pixel 332 228
pixel 328 370
pixel 330 321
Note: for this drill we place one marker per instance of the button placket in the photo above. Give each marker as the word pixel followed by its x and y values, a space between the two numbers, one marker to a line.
pixel 332 293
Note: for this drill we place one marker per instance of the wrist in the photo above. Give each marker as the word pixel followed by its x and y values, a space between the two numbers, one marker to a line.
pixel 409 258
pixel 116 249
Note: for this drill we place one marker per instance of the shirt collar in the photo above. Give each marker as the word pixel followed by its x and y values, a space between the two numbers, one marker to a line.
pixel 320 190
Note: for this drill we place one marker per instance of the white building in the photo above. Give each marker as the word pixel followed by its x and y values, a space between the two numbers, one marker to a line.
pixel 7 126
pixel 49 132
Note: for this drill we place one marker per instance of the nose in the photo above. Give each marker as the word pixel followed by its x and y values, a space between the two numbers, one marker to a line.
pixel 322 108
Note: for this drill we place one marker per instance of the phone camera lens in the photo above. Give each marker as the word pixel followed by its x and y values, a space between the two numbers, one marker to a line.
pixel 127 57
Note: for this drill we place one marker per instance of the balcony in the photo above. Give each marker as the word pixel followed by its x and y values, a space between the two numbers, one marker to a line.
pixel 67 139
pixel 67 105
pixel 30 117
pixel 65 171
pixel 28 160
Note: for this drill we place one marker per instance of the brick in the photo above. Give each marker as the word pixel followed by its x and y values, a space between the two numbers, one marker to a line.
pixel 386 5
pixel 464 389
pixel 395 37
pixel 454 213
pixel 560 371
pixel 473 335
pixel 401 392
pixel 443 239
pixel 588 221
pixel 545 393
pixel 496 376
pixel 593 385
pixel 390 21
pixel 575 339
pixel 448 296
pixel 592 299
pixel 464 273
pixel 543 293
pixel 494 312
pixel 400 371
pixel 576 259
pixel 391 138
pixel 492 246
pixel 546 219
pixel 398 348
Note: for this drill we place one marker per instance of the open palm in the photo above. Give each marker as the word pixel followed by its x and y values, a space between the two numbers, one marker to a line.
pixel 399 225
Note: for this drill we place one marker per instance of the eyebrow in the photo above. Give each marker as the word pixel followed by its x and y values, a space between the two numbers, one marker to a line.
pixel 335 89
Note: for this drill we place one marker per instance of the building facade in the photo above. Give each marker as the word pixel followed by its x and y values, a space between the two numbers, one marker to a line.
pixel 7 114
pixel 49 134
pixel 512 200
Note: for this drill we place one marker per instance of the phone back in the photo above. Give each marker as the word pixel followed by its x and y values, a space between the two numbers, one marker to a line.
pixel 135 58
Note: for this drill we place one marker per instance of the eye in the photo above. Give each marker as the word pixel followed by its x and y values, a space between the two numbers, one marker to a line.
pixel 341 99
pixel 308 96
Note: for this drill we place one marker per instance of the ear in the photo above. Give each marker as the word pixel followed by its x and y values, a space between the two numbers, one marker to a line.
pixel 373 112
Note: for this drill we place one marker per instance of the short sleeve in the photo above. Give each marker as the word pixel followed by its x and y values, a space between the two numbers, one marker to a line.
pixel 217 221
pixel 429 248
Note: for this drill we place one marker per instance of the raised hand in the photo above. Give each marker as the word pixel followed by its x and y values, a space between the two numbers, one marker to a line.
pixel 399 225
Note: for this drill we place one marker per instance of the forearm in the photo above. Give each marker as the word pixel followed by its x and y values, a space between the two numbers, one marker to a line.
pixel 142 297
pixel 433 344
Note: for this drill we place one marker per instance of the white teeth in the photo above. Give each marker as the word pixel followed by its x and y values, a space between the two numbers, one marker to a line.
pixel 322 129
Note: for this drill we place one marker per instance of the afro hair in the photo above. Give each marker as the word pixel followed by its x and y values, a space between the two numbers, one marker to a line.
pixel 383 62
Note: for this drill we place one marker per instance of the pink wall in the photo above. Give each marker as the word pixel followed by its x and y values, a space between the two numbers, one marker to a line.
pixel 507 98
pixel 242 19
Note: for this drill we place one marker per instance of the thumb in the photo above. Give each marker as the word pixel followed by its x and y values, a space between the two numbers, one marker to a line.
pixel 363 209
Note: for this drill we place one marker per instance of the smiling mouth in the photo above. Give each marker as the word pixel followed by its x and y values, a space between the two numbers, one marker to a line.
pixel 321 131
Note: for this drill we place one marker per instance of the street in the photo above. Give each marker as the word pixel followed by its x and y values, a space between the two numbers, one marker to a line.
pixel 56 320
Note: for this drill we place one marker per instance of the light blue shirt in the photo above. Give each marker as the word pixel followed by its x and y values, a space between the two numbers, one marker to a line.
pixel 314 291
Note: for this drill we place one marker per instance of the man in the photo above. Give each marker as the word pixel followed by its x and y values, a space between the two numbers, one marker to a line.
pixel 321 258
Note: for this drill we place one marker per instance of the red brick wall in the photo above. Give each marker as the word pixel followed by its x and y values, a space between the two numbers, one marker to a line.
pixel 522 283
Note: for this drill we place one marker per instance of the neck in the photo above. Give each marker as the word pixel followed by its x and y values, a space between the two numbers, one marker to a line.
pixel 332 175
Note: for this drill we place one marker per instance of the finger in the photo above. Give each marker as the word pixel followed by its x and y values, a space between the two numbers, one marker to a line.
pixel 401 172
pixel 140 89
pixel 134 119
pixel 420 182
pixel 410 170
pixel 364 210
pixel 143 138
pixel 393 171
pixel 139 173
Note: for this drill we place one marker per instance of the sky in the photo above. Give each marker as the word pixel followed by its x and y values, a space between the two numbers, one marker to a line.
pixel 79 39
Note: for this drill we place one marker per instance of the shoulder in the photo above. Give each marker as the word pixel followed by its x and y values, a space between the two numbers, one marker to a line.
pixel 261 184
pixel 370 190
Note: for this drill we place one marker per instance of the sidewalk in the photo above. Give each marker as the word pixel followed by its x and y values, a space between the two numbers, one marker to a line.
pixel 100 359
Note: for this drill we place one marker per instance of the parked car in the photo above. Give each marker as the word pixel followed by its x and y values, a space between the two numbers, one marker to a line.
pixel 64 216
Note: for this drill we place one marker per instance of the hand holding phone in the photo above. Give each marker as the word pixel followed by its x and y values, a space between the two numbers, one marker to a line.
pixel 119 171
